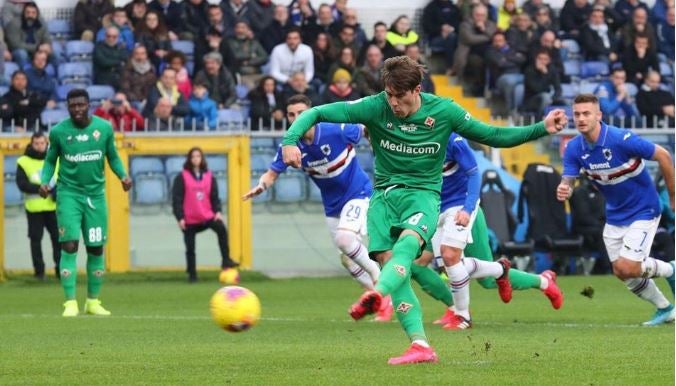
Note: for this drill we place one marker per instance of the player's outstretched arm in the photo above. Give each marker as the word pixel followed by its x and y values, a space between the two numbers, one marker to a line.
pixel 264 183
pixel 666 164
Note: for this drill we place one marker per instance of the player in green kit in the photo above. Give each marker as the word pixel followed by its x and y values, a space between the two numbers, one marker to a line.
pixel 80 144
pixel 409 132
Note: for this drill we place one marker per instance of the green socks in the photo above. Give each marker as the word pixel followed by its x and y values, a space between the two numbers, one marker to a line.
pixel 520 280
pixel 432 283
pixel 397 271
pixel 68 267
pixel 408 311
pixel 95 270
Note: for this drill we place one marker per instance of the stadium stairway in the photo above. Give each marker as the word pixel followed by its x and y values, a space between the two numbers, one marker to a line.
pixel 516 159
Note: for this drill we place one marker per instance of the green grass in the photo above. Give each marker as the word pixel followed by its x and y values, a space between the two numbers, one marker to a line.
pixel 161 333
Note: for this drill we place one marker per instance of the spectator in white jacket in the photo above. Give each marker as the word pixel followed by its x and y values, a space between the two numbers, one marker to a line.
pixel 291 57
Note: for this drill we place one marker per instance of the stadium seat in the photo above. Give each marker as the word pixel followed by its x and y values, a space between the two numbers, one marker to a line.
pixel 10 68
pixel 666 70
pixel 98 93
pixel 242 91
pixel 222 182
pixel 569 90
pixel 77 72
pixel 313 194
pixel 262 144
pixel 13 196
pixel 146 165
pixel 59 29
pixel 230 119
pixel 174 164
pixel 150 190
pixel 365 158
pixel 49 69
pixel 190 66
pixel 572 68
pixel 264 197
pixel 79 50
pixel 570 48
pixel 51 117
pixel 187 47
pixel 62 90
pixel 59 50
pixel 519 91
pixel 594 69
pixel 260 161
pixel 631 88
pixel 588 87
pixel 10 166
pixel 290 187
pixel 3 90
pixel 218 164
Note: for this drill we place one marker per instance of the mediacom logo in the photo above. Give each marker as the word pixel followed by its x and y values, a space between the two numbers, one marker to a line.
pixel 421 148
pixel 93 155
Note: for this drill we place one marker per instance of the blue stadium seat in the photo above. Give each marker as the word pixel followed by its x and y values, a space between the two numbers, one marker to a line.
pixel 62 90
pixel 150 190
pixel 262 144
pixel 52 117
pixel 572 68
pixel 242 91
pixel 10 166
pixel 365 158
pixel 631 88
pixel 260 161
pixel 290 187
pixel 313 192
pixel 230 119
pixel 79 50
pixel 569 90
pixel 519 91
pixel 594 69
pixel 13 196
pixel 49 69
pixel 222 182
pixel 190 66
pixel 59 50
pixel 77 72
pixel 99 92
pixel 666 70
pixel 3 90
pixel 59 29
pixel 218 164
pixel 187 47
pixel 10 68
pixel 264 197
pixel 588 87
pixel 174 164
pixel 571 49
pixel 146 165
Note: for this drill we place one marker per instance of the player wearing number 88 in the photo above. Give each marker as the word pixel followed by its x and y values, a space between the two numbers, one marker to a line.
pixel 329 158
pixel 81 143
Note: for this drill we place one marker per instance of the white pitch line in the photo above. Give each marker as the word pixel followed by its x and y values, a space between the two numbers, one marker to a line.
pixel 305 320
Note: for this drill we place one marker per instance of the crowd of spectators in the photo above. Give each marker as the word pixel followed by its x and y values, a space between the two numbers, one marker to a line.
pixel 273 51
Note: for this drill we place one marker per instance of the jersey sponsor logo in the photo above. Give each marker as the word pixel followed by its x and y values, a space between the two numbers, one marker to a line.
pixel 429 121
pixel 404 308
pixel 408 128
pixel 421 148
pixel 82 137
pixel 602 165
pixel 93 155
pixel 608 154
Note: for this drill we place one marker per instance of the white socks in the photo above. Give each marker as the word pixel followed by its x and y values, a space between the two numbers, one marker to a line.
pixel 349 244
pixel 459 281
pixel 357 272
pixel 648 291
pixel 479 269
pixel 651 267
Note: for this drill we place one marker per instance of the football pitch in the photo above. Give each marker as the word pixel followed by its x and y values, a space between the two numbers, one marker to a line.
pixel 161 333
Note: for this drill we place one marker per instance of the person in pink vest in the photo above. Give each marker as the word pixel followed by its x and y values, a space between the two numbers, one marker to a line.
pixel 197 207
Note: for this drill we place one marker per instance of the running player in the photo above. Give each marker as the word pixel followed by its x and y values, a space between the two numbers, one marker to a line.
pixel 613 158
pixel 329 159
pixel 81 143
pixel 409 132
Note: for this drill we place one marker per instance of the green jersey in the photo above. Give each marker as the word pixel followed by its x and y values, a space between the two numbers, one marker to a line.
pixel 81 154
pixel 410 151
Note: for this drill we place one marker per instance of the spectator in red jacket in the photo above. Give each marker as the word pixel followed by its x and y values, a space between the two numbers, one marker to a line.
pixel 121 115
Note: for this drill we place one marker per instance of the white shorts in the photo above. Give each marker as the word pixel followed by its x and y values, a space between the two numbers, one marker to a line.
pixel 451 234
pixel 632 241
pixel 352 218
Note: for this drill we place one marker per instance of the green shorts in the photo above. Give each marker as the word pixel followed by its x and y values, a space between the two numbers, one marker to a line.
pixel 77 213
pixel 396 208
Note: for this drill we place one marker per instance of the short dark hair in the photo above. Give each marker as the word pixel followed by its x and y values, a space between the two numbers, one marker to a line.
pixel 291 30
pixel 16 73
pixel 38 134
pixel 543 51
pixel 76 93
pixel 299 98
pixel 378 24
pixel 187 165
pixel 347 26
pixel 402 73
pixel 119 9
pixel 586 98
pixel 176 54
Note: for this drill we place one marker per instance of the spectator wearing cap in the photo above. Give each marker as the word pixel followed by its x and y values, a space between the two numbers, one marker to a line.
pixel 88 17
pixel 440 20
pixel 665 36
pixel 639 59
pixel 219 81
pixel 574 15
pixel 290 57
pixel 27 34
pixel 109 59
pixel 203 110
pixel 166 88
pixel 120 114
pixel 596 40
pixel 267 105
pixel 248 55
pixel 400 34
pixel 138 76
pixel 614 97
pixel 340 88
pixel 275 33
pixel 655 103
pixel 40 81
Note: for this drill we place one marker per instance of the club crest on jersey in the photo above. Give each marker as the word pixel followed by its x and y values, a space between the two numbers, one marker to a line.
pixel 401 270
pixel 608 154
pixel 404 308
pixel 62 231
pixel 326 149
pixel 429 121
pixel 96 134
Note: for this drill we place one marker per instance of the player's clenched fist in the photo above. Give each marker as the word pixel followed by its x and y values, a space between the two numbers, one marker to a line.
pixel 43 191
pixel 563 192
pixel 126 184
pixel 556 121
pixel 291 155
